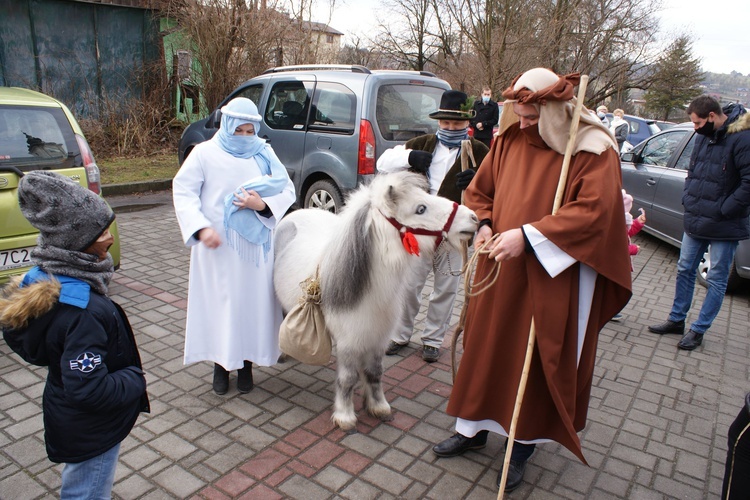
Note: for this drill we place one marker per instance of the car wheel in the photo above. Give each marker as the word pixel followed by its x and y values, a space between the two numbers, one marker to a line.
pixel 733 282
pixel 325 195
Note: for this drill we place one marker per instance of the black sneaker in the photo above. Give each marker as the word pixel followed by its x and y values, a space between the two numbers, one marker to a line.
pixel 430 354
pixel 394 347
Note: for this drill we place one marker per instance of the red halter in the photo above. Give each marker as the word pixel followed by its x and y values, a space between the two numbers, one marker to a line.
pixel 407 233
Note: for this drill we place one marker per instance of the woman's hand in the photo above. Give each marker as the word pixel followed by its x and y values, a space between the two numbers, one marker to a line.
pixel 209 237
pixel 249 199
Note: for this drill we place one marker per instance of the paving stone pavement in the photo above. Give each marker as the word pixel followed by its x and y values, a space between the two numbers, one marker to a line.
pixel 656 429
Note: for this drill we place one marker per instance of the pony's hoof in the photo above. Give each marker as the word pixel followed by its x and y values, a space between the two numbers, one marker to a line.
pixel 382 412
pixel 346 424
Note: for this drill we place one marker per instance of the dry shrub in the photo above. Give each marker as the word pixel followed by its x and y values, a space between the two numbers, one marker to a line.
pixel 134 126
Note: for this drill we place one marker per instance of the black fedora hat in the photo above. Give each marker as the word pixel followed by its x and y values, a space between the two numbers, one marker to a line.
pixel 454 105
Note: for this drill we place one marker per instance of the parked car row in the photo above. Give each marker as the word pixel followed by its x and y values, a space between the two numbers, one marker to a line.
pixel 37 132
pixel 654 173
pixel 328 124
pixel 641 129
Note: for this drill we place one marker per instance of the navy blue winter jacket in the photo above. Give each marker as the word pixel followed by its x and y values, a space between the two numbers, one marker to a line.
pixel 95 386
pixel 717 188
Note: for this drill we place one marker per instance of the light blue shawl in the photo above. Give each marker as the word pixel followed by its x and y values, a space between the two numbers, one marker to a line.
pixel 244 231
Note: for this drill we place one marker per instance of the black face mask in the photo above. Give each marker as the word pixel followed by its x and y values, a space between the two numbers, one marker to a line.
pixel 707 129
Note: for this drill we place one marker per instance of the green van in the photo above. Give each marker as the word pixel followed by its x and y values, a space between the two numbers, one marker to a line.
pixel 37 132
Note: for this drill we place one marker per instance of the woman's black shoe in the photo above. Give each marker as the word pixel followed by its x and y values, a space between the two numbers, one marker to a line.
pixel 221 379
pixel 458 444
pixel 245 378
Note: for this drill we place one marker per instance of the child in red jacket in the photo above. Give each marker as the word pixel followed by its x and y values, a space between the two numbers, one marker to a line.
pixel 634 226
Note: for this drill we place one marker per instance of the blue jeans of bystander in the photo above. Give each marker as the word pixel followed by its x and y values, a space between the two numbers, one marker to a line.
pixel 91 479
pixel 691 253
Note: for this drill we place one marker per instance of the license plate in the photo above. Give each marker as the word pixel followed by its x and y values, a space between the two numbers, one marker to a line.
pixel 18 257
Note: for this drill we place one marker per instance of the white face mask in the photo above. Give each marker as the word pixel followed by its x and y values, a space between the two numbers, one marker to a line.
pixel 485 99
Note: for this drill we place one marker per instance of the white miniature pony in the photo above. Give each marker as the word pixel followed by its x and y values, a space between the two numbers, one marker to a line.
pixel 363 254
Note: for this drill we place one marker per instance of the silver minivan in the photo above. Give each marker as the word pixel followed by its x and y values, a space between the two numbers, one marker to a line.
pixel 328 124
pixel 654 173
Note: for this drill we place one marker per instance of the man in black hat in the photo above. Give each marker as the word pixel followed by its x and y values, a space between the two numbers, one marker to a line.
pixel 436 156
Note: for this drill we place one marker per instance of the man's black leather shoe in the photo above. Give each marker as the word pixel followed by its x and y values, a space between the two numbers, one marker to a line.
pixel 690 341
pixel 515 475
pixel 668 327
pixel 458 444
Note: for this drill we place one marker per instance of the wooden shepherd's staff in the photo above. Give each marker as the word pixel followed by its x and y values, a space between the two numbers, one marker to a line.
pixel 532 331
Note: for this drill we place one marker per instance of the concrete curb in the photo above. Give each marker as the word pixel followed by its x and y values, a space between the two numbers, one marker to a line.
pixel 136 187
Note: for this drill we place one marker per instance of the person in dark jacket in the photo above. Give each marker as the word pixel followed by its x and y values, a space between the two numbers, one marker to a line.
pixel 437 156
pixel 736 484
pixel 485 118
pixel 59 316
pixel 716 198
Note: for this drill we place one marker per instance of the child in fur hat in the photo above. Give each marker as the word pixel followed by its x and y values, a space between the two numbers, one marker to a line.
pixel 634 226
pixel 59 316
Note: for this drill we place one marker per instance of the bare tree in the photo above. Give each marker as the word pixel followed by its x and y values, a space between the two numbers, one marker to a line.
pixel 407 36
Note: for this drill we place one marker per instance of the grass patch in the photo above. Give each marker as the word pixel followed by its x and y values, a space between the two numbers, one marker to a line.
pixel 153 167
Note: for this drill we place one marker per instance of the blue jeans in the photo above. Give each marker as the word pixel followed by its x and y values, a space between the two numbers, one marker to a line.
pixel 691 253
pixel 91 479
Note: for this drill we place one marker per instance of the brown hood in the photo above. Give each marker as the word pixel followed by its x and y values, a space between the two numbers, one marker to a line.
pixel 20 305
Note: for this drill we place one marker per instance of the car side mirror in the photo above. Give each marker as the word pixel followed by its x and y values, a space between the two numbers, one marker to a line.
pixel 629 157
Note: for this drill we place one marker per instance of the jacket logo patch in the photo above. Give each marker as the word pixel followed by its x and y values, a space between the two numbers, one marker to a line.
pixel 86 362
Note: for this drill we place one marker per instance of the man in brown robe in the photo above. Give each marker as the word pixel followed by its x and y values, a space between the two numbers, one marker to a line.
pixel 570 272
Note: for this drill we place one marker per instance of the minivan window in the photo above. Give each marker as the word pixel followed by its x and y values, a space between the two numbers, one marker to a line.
pixel 288 104
pixel 402 111
pixel 253 92
pixel 334 109
pixel 31 135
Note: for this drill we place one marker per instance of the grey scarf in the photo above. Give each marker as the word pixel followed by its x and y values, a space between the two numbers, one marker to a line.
pixel 80 265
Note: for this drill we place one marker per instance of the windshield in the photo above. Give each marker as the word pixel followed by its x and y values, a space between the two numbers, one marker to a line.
pixel 30 135
pixel 403 111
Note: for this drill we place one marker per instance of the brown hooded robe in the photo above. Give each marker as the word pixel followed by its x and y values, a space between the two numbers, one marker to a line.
pixel 515 185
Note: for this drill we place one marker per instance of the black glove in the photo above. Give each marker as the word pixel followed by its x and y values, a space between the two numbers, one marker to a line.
pixel 463 179
pixel 420 161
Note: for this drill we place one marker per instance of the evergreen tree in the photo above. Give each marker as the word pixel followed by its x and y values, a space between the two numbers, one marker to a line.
pixel 677 80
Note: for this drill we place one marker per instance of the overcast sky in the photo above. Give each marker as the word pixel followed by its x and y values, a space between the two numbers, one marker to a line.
pixel 722 36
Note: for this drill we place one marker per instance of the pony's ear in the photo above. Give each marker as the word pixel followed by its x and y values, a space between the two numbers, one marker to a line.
pixel 391 200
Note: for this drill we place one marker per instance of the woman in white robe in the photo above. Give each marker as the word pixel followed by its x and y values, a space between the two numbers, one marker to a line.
pixel 233 315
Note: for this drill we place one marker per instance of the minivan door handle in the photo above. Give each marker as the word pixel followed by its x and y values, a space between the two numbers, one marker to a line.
pixel 266 138
pixel 651 182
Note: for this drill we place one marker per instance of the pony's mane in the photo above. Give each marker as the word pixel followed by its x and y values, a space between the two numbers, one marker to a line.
pixel 349 277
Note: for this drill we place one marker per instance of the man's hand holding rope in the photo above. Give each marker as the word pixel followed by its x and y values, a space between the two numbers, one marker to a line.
pixel 503 246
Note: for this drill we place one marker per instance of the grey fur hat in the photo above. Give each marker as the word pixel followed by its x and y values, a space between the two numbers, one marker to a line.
pixel 66 214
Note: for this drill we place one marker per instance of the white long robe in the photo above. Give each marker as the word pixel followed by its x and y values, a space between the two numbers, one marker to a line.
pixel 233 314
